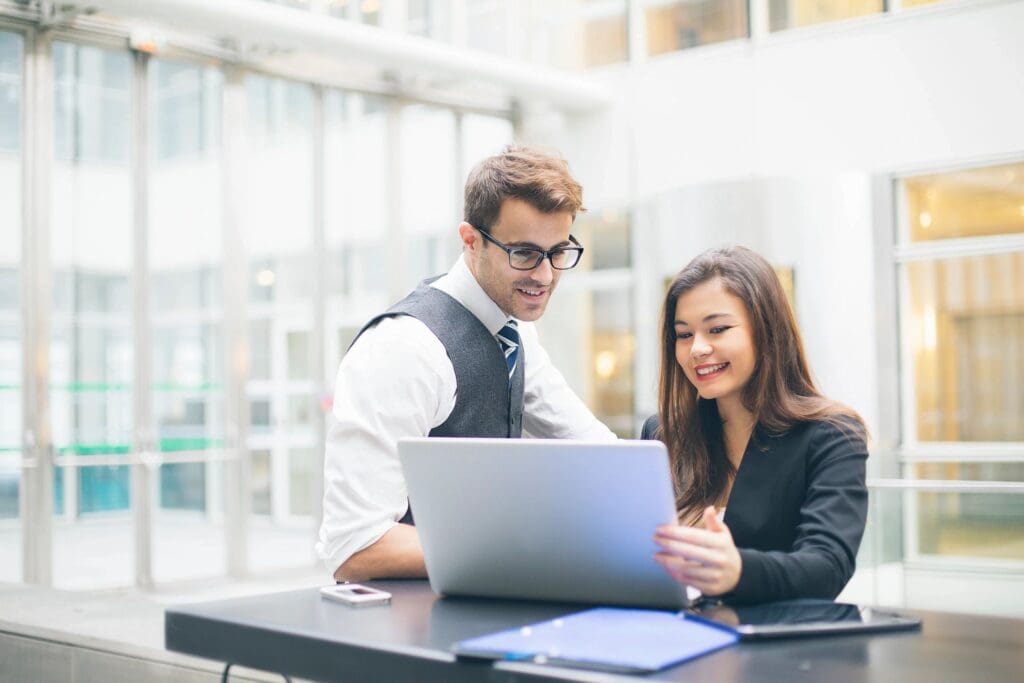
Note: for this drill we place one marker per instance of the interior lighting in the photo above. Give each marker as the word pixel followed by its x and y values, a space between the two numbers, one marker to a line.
pixel 925 219
pixel 605 363
pixel 930 331
pixel 145 41
pixel 369 6
pixel 265 278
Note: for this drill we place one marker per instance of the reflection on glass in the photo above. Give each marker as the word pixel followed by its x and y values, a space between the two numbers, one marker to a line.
pixel 483 136
pixel 91 336
pixel 605 33
pixel 783 14
pixel 971 203
pixel 428 18
pixel 974 525
pixel 487 25
pixel 605 236
pixel 278 235
pixel 588 334
pixel 356 170
pixel 11 46
pixel 613 351
pixel 185 276
pixel 966 333
pixel 678 25
pixel 91 347
pixel 300 476
pixel 259 481
pixel 428 186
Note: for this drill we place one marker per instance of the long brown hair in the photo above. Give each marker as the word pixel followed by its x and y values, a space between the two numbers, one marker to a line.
pixel 779 394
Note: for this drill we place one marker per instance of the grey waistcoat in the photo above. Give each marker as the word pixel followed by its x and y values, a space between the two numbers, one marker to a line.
pixel 485 403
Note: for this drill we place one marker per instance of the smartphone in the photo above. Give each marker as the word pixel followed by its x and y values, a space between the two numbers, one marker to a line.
pixel 356 595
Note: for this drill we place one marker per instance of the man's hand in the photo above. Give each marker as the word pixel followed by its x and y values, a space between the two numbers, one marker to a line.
pixel 703 558
pixel 396 555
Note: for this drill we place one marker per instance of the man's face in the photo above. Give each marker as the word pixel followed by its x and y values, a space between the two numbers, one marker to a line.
pixel 522 294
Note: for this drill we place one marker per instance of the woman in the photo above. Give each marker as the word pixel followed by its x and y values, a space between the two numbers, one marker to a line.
pixel 748 431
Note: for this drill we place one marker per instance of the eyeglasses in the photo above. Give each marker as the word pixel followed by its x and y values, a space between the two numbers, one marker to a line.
pixel 528 258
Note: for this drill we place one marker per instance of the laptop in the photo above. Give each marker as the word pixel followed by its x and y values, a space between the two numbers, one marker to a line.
pixel 543 519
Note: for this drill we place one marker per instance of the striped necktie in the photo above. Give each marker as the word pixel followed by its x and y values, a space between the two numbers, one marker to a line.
pixel 508 338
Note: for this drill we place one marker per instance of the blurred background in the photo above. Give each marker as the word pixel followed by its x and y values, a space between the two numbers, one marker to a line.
pixel 201 201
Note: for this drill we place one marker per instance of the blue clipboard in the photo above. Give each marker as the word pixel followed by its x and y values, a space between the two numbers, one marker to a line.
pixel 604 639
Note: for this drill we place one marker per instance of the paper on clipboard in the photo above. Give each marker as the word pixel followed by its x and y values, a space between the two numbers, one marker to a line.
pixel 605 639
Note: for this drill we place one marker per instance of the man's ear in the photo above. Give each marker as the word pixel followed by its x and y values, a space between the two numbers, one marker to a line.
pixel 468 235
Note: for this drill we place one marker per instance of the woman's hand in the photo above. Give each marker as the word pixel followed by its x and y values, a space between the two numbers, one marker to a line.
pixel 706 558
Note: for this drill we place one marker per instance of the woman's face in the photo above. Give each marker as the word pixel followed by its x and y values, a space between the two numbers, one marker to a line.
pixel 714 341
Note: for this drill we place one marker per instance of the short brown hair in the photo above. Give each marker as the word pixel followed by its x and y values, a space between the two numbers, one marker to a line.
pixel 538 178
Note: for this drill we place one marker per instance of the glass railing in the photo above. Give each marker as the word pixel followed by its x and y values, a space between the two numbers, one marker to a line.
pixel 943 545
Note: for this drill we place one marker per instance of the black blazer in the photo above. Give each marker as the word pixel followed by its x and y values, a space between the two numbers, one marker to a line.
pixel 796 511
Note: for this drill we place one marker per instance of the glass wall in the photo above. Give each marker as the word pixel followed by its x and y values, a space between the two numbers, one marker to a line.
pixel 605 27
pixel 92 250
pixel 429 18
pixel 588 329
pixel 578 34
pixel 482 136
pixel 91 353
pixel 358 223
pixel 487 25
pixel 11 46
pixel 680 24
pixel 185 307
pixel 963 345
pixel 278 235
pixel 783 14
pixel 429 191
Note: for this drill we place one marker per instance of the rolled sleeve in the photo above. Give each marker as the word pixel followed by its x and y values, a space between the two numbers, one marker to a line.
pixel 396 381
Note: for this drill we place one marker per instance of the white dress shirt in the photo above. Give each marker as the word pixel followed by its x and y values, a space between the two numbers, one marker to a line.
pixel 397 381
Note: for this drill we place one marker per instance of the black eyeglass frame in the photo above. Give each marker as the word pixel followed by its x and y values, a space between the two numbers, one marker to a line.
pixel 540 253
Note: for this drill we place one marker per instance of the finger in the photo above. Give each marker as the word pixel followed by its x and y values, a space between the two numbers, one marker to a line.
pixel 711 521
pixel 675 564
pixel 687 534
pixel 690 551
pixel 704 578
pixel 682 572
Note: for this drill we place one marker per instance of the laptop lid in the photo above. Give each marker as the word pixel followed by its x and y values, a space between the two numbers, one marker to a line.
pixel 543 519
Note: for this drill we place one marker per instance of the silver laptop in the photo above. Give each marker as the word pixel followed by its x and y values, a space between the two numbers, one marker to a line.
pixel 543 519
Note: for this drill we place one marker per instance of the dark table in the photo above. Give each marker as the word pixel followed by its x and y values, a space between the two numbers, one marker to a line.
pixel 300 634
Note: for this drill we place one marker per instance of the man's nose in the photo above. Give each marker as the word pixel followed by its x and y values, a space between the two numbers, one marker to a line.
pixel 544 273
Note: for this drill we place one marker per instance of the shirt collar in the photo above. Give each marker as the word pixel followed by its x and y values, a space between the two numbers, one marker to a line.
pixel 460 284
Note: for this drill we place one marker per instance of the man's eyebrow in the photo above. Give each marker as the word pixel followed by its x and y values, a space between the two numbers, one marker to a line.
pixel 531 245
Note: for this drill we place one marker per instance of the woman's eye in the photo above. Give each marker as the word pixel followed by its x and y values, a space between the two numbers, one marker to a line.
pixel 683 335
pixel 719 330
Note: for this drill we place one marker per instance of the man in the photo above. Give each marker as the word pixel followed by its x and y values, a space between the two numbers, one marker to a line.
pixel 459 356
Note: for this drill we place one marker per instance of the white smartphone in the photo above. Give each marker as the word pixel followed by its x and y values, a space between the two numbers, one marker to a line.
pixel 355 595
